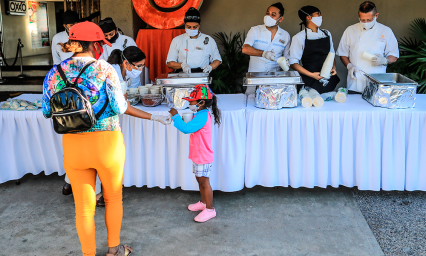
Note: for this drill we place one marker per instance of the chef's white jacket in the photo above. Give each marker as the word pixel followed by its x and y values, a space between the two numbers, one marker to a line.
pixel 377 40
pixel 259 37
pixel 121 43
pixel 57 54
pixel 298 43
pixel 197 52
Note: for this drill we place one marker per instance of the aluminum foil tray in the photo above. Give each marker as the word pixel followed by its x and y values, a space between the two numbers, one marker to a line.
pixel 183 79
pixel 174 97
pixel 276 96
pixel 270 78
pixel 390 90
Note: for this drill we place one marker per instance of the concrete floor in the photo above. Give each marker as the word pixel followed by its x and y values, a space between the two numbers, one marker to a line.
pixel 35 219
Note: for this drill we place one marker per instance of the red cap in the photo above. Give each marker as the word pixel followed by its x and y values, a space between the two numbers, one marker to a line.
pixel 87 31
pixel 201 92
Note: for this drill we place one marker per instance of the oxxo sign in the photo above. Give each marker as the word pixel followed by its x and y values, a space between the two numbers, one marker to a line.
pixel 16 7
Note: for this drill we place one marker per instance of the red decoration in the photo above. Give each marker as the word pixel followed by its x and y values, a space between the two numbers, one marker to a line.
pixel 164 20
pixel 167 3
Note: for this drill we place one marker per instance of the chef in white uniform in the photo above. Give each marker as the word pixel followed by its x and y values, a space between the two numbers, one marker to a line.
pixel 371 36
pixel 193 51
pixel 118 41
pixel 266 43
pixel 69 18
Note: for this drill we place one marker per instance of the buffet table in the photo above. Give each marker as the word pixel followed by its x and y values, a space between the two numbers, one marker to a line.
pixel 156 155
pixel 350 144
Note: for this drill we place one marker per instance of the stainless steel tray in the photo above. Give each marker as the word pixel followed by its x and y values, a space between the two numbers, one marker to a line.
pixel 272 78
pixel 183 79
pixel 391 79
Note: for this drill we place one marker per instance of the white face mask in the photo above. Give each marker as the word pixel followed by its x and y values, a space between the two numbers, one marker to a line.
pixel 134 73
pixel 191 32
pixel 269 21
pixel 368 25
pixel 317 21
pixel 194 108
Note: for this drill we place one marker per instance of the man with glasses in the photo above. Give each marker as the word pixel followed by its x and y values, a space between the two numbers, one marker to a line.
pixel 69 18
pixel 193 51
pixel 266 43
pixel 367 37
pixel 118 41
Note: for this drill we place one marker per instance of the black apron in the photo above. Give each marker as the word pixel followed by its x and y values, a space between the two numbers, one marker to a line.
pixel 193 70
pixel 314 55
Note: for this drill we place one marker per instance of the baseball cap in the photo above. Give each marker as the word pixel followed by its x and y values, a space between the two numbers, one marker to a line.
pixel 201 92
pixel 87 31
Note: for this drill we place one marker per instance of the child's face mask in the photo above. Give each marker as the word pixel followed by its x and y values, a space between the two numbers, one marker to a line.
pixel 194 108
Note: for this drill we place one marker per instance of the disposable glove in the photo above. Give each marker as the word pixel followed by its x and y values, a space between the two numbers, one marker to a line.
pixel 269 55
pixel 186 68
pixel 379 61
pixel 207 69
pixel 352 70
pixel 166 120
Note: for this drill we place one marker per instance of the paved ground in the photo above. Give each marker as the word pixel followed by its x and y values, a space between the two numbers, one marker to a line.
pixel 36 219
pixel 397 219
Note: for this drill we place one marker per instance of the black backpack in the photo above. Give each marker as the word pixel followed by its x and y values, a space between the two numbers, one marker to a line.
pixel 72 111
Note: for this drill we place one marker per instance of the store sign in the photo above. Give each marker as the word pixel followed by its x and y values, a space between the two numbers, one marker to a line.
pixel 16 7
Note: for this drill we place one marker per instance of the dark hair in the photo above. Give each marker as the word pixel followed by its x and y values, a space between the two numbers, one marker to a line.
pixel 306 11
pixel 216 111
pixel 70 17
pixel 279 6
pixel 367 7
pixel 132 53
pixel 75 46
pixel 107 25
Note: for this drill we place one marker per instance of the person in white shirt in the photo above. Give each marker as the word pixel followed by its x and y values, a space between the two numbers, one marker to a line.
pixel 118 41
pixel 69 18
pixel 193 51
pixel 266 43
pixel 128 63
pixel 309 49
pixel 366 36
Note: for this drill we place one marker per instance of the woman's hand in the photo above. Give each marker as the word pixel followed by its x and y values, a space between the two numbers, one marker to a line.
pixel 316 75
pixel 333 71
pixel 125 96
pixel 173 112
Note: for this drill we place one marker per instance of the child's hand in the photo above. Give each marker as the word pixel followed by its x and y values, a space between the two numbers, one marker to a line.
pixel 173 111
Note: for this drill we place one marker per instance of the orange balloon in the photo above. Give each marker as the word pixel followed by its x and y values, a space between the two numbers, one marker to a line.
pixel 163 20
pixel 167 3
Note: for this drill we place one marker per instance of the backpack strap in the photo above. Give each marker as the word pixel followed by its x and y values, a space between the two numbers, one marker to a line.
pixel 64 78
pixel 99 114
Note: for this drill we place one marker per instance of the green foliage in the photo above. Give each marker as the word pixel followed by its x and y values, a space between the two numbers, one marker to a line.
pixel 412 61
pixel 228 77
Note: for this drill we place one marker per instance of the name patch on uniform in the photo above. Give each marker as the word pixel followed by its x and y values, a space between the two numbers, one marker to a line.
pixel 282 41
pixel 198 48
pixel 382 38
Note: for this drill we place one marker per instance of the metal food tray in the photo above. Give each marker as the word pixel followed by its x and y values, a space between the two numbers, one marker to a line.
pixel 183 79
pixel 272 78
pixel 390 90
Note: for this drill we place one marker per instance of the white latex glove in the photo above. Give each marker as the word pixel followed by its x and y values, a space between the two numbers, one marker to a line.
pixel 352 70
pixel 379 60
pixel 207 69
pixel 269 55
pixel 162 119
pixel 186 68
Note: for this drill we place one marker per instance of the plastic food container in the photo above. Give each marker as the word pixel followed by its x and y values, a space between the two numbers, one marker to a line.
pixel 151 100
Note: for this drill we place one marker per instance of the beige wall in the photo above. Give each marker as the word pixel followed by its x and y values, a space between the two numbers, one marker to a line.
pixel 15 27
pixel 240 15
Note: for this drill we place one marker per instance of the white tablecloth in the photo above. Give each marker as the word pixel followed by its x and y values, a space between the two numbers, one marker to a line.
pixel 156 155
pixel 350 144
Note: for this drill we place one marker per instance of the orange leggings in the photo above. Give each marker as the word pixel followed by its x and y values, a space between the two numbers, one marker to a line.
pixel 86 154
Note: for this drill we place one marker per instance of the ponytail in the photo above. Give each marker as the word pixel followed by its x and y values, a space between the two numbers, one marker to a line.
pixel 216 111
pixel 115 57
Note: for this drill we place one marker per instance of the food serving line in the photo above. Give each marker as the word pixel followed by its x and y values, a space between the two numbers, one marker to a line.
pixel 351 144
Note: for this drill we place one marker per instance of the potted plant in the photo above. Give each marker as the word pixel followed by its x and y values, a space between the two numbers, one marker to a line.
pixel 412 61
